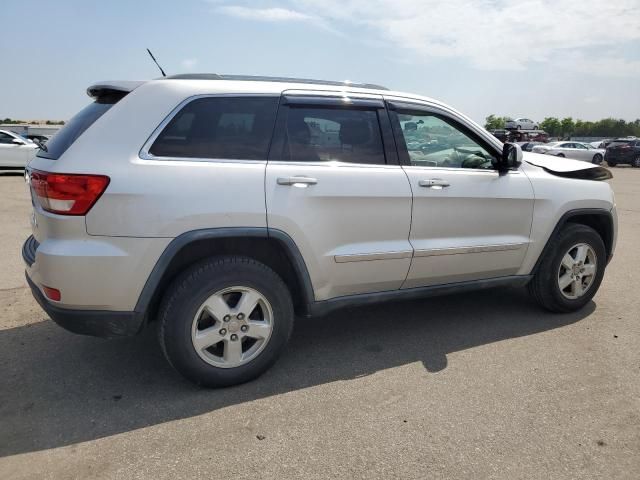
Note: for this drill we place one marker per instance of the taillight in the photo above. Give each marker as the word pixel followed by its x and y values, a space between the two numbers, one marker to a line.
pixel 66 193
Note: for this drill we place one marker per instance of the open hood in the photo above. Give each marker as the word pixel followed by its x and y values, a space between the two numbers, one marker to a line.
pixel 566 167
pixel 556 164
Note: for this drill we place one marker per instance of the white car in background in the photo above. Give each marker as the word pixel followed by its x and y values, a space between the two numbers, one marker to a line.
pixel 575 150
pixel 521 124
pixel 15 150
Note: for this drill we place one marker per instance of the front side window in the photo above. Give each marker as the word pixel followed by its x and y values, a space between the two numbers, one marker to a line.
pixel 432 140
pixel 333 134
pixel 236 128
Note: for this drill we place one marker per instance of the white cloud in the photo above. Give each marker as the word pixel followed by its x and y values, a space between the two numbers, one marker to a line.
pixel 488 34
pixel 189 62
pixel 274 14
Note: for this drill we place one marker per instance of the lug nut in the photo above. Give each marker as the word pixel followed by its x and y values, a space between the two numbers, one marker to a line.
pixel 244 328
pixel 226 318
pixel 222 332
pixel 234 337
pixel 241 316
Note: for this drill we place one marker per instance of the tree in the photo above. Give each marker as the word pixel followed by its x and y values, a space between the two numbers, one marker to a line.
pixel 567 126
pixel 551 125
pixel 494 123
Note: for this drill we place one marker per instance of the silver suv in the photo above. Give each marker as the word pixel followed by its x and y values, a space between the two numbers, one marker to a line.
pixel 219 207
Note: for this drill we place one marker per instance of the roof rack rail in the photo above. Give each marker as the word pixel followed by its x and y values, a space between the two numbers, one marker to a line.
pixel 252 78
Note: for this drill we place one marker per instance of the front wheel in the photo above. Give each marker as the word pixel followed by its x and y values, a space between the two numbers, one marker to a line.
pixel 225 321
pixel 597 159
pixel 636 162
pixel 561 155
pixel 571 270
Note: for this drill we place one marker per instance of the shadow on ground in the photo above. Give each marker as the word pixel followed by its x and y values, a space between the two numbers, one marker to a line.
pixel 59 389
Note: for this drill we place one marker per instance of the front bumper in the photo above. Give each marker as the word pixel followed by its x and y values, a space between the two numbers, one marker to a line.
pixel 99 323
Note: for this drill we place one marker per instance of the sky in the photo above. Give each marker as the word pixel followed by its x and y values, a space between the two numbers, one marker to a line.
pixel 526 58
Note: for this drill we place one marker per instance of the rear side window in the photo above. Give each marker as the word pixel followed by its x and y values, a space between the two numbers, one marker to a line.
pixel 219 127
pixel 75 127
pixel 333 134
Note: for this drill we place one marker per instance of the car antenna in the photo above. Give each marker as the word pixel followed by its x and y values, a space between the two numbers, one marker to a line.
pixel 156 62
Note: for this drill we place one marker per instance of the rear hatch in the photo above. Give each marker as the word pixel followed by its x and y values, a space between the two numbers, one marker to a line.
pixel 59 197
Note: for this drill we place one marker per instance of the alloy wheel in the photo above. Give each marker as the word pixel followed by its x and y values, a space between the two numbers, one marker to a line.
pixel 577 271
pixel 232 327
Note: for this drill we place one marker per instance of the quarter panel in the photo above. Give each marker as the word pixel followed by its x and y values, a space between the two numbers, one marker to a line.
pixel 161 198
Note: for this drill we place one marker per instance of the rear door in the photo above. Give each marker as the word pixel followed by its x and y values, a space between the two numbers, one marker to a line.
pixel 469 222
pixel 334 185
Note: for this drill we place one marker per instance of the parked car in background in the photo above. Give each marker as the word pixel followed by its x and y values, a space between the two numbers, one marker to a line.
pixel 501 135
pixel 601 143
pixel 528 146
pixel 623 150
pixel 15 150
pixel 575 150
pixel 234 202
pixel 41 139
pixel 521 124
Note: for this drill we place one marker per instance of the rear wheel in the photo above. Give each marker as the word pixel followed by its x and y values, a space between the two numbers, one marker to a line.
pixel 571 270
pixel 225 321
pixel 560 155
pixel 636 162
pixel 611 163
pixel 597 159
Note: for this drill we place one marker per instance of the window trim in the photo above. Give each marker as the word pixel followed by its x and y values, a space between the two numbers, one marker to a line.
pixel 333 102
pixel 394 106
pixel 144 153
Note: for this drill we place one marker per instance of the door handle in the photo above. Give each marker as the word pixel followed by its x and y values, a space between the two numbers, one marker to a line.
pixel 434 182
pixel 296 180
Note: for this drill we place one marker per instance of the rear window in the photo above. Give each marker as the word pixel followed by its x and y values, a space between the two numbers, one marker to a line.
pixel 64 138
pixel 333 134
pixel 237 128
pixel 617 143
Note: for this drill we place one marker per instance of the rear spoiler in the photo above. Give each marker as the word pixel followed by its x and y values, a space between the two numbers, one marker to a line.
pixel 119 86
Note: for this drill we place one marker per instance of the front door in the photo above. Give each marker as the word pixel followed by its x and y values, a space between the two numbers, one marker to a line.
pixel 333 184
pixel 469 222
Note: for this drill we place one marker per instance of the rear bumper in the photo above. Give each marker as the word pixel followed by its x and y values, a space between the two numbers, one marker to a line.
pixel 85 321
pixel 98 323
pixel 619 157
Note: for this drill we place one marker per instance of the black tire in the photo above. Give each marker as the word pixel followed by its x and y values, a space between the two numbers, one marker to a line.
pixel 188 292
pixel 544 285
pixel 611 163
pixel 560 155
pixel 636 162
pixel 597 159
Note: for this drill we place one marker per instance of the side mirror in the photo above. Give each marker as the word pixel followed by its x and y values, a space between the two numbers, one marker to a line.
pixel 18 141
pixel 511 157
